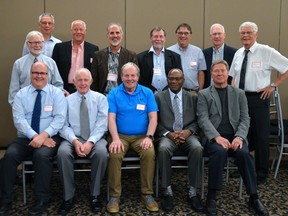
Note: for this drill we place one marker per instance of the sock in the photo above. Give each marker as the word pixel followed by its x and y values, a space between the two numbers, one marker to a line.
pixel 168 191
pixel 192 191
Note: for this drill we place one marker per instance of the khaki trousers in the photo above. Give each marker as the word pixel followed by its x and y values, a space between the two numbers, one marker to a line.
pixel 147 165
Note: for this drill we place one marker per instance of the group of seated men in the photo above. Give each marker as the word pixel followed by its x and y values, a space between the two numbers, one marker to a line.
pixel 50 125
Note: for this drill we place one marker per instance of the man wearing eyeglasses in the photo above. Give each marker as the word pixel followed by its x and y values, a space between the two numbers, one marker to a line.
pixel 46 25
pixel 251 71
pixel 39 112
pixel 156 62
pixel 178 129
pixel 20 76
pixel 218 51
pixel 192 58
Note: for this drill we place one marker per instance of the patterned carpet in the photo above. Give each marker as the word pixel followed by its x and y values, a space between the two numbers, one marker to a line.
pixel 274 194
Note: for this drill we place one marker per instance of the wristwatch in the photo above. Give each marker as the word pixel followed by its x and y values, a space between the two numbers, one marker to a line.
pixel 150 137
pixel 273 85
pixel 240 138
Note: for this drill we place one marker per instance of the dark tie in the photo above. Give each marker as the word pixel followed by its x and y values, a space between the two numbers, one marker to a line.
pixel 35 122
pixel 35 60
pixel 243 70
pixel 84 119
pixel 178 119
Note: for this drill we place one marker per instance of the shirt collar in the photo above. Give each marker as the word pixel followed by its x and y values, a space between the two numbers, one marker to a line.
pixel 152 50
pixel 172 95
pixel 220 49
pixel 81 45
pixel 253 48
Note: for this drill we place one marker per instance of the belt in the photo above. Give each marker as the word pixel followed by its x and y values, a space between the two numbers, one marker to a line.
pixel 253 93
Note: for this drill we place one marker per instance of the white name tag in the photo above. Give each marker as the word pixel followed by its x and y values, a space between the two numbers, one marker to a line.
pixel 193 63
pixel 256 64
pixel 48 108
pixel 157 71
pixel 112 77
pixel 140 107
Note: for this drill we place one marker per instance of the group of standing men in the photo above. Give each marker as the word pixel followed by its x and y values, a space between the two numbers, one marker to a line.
pixel 158 87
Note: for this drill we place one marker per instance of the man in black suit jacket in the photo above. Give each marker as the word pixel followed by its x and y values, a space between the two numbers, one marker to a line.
pixel 75 54
pixel 219 51
pixel 113 57
pixel 156 62
pixel 175 135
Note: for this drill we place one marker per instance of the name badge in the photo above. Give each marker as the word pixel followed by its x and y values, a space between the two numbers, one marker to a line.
pixel 91 60
pixel 193 63
pixel 48 108
pixel 157 71
pixel 256 64
pixel 112 77
pixel 140 107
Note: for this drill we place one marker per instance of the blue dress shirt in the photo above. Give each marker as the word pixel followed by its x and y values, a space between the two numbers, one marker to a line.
pixel 98 116
pixel 53 110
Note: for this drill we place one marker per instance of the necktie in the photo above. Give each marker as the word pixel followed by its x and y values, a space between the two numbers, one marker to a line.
pixel 35 122
pixel 243 70
pixel 178 118
pixel 84 119
pixel 35 60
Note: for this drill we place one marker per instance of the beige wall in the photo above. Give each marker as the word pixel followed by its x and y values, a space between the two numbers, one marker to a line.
pixel 137 18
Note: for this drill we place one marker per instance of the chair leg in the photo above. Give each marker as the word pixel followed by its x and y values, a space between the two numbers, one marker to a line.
pixel 202 179
pixel 240 187
pixel 24 183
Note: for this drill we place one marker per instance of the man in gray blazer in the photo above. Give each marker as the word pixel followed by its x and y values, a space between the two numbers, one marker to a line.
pixel 178 129
pixel 224 120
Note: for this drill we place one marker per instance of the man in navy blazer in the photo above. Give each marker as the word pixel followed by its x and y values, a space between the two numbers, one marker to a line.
pixel 224 120
pixel 74 54
pixel 173 136
pixel 218 51
pixel 156 62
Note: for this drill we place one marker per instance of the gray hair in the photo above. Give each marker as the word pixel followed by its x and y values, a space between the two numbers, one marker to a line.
pixel 216 25
pixel 78 21
pixel 82 70
pixel 46 14
pixel 130 65
pixel 249 24
pixel 114 24
pixel 32 34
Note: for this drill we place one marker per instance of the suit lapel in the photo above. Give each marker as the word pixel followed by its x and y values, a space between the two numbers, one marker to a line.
pixel 168 100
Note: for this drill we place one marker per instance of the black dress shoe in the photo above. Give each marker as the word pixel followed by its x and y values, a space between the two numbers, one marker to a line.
pixel 196 203
pixel 39 208
pixel 4 208
pixel 168 203
pixel 96 204
pixel 66 206
pixel 258 207
pixel 211 207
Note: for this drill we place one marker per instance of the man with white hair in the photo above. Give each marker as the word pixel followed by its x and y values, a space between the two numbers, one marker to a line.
pixel 20 76
pixel 218 51
pixel 251 71
pixel 74 54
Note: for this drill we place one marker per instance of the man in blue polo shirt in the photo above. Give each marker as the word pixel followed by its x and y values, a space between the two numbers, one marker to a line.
pixel 132 119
